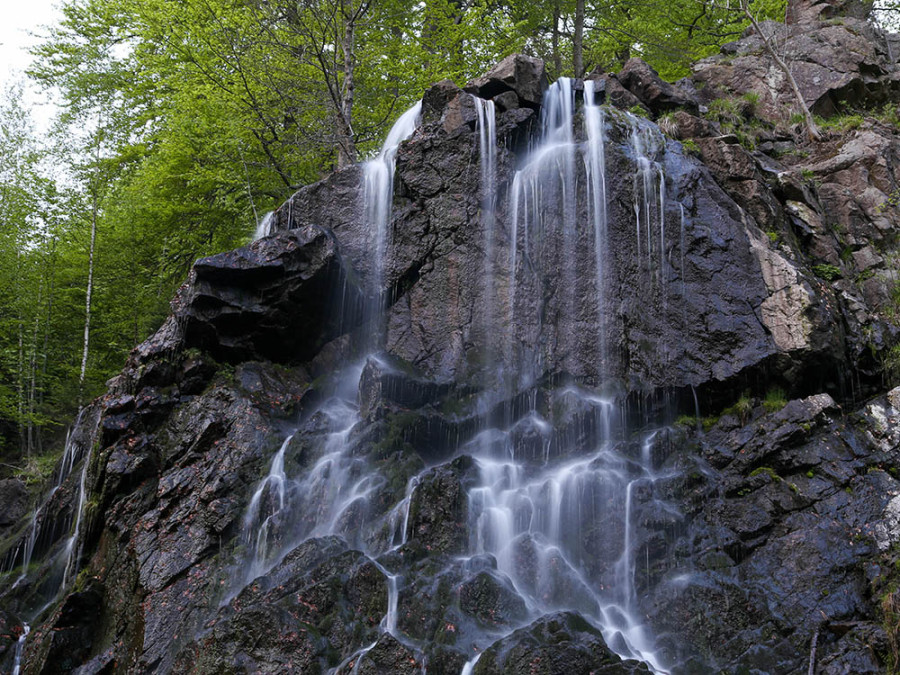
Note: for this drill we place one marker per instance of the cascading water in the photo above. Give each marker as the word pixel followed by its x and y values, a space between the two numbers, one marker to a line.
pixel 284 511
pixel 558 519
pixel 535 519
pixel 331 495
pixel 649 200
pixel 73 544
pixel 264 227
pixel 486 126
pixel 379 191
pixel 595 165
pixel 20 649
pixel 43 531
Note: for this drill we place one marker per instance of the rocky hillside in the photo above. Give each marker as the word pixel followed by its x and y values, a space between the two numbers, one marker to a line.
pixel 672 386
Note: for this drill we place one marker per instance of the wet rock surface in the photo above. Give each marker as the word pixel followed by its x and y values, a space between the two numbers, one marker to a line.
pixel 784 528
pixel 557 643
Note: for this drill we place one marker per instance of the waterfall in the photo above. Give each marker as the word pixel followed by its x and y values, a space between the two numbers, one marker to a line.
pixel 519 511
pixel 332 494
pixel 595 164
pixel 264 227
pixel 73 545
pixel 284 511
pixel 560 517
pixel 20 649
pixel 378 189
pixel 486 126
pixel 258 529
pixel 42 531
pixel 649 201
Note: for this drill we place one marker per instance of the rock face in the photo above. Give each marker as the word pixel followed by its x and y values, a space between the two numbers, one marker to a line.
pixel 835 56
pixel 509 474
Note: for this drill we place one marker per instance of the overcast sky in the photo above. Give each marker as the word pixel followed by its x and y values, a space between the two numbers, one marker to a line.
pixel 21 17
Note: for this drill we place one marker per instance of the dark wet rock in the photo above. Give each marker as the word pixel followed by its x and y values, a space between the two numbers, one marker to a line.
pixel 387 657
pixel 13 501
pixel 438 513
pixel 10 631
pixel 638 77
pixel 508 100
pixel 315 609
pixel 274 299
pixel 784 536
pixel 454 606
pixel 613 92
pixel 518 73
pixel 557 643
pixel 69 634
pixel 386 383
pixel 327 204
pixel 491 600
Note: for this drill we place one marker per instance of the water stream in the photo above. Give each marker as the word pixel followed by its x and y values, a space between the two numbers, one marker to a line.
pixel 20 649
pixel 557 513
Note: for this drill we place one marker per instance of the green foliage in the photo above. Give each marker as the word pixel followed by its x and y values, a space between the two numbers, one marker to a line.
pixel 37 469
pixel 890 613
pixel 841 123
pixel 827 272
pixel 889 114
pixel 639 111
pixel 690 147
pixel 736 115
pixel 742 408
pixel 774 400
pixel 890 365
pixel 726 111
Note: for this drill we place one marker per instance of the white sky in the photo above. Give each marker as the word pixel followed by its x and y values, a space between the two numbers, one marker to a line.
pixel 18 18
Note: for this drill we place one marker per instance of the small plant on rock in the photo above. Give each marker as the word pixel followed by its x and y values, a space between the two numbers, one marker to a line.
pixel 775 400
pixel 827 272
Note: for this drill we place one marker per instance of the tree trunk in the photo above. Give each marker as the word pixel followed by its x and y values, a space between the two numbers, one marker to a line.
pixel 87 300
pixel 554 40
pixel 347 146
pixel 578 41
pixel 20 384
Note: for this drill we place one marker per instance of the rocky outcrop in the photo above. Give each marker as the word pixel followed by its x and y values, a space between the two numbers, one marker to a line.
pixel 293 292
pixel 787 527
pixel 834 53
pixel 263 494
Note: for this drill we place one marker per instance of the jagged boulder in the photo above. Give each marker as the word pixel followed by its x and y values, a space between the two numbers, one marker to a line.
pixel 638 77
pixel 557 643
pixel 521 74
pixel 278 299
